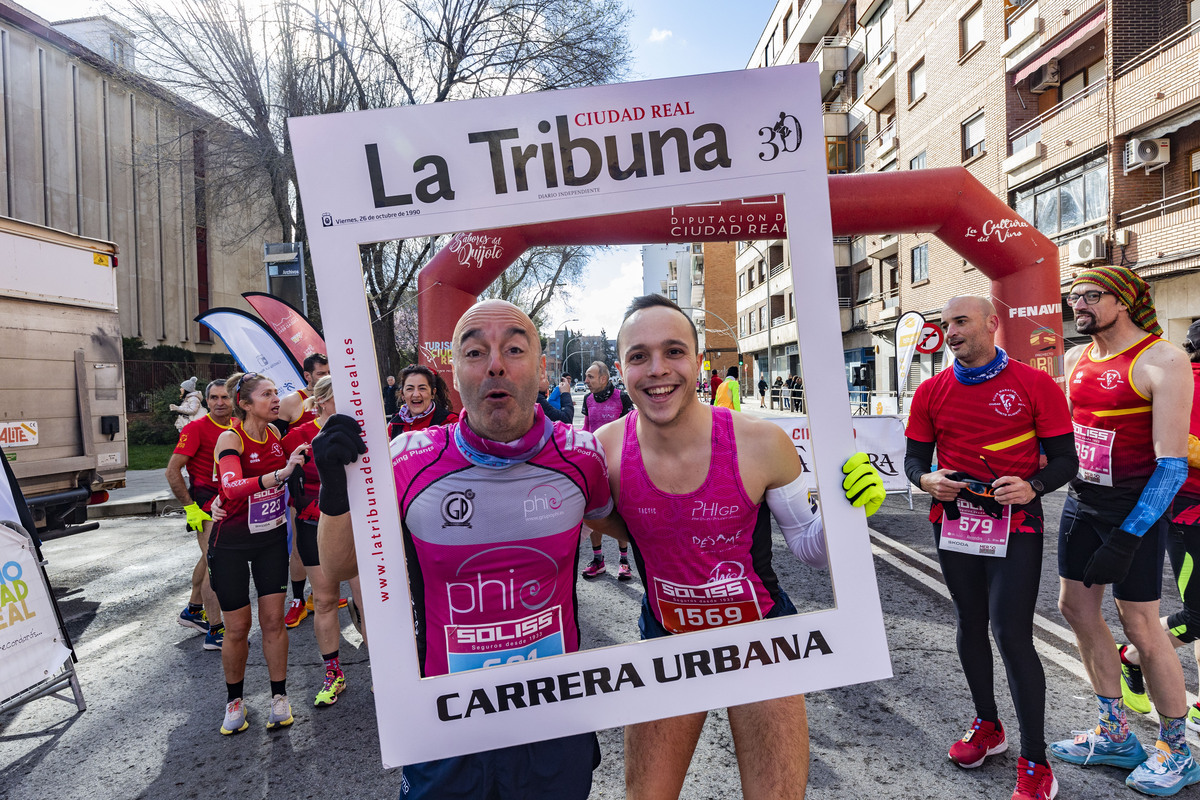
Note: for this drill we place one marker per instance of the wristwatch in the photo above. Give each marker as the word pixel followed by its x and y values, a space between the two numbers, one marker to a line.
pixel 1039 488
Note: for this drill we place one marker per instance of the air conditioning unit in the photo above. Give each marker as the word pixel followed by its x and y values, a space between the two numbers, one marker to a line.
pixel 1044 77
pixel 1147 152
pixel 839 79
pixel 1086 249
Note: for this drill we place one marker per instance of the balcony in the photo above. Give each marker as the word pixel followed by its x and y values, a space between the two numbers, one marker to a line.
pixel 815 18
pixel 1158 82
pixel 1069 129
pixel 836 117
pixel 881 78
pixel 832 53
pixel 883 246
pixel 1021 27
pixel 1163 230
pixel 885 142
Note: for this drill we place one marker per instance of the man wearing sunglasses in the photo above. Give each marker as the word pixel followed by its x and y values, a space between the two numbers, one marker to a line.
pixel 988 417
pixel 1130 393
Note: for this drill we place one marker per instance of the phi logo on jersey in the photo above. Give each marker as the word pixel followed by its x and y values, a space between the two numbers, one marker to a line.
pixel 276 449
pixel 1007 403
pixel 543 501
pixel 457 508
pixel 727 571
pixel 1111 379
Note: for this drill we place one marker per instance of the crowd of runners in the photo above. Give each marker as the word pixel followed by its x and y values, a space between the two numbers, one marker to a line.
pixel 267 499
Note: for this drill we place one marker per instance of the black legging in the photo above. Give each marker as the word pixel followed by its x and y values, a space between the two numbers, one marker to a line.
pixel 1012 588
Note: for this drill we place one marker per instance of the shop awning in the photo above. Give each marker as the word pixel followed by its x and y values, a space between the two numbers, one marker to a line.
pixel 1084 31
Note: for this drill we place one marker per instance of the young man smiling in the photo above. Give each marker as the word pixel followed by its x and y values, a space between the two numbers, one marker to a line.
pixel 667 458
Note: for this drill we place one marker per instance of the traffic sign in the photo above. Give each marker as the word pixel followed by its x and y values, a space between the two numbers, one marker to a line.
pixel 931 338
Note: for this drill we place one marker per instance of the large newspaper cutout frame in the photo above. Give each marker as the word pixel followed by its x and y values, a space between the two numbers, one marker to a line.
pixel 422 170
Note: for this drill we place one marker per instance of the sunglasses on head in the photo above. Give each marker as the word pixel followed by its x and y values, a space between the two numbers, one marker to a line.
pixel 237 390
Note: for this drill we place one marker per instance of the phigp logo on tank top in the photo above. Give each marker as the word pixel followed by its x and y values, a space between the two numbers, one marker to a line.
pixel 543 502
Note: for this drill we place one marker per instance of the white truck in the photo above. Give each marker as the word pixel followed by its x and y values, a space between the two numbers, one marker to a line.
pixel 62 387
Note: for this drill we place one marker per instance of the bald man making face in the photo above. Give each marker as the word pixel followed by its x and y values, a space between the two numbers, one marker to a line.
pixel 501 451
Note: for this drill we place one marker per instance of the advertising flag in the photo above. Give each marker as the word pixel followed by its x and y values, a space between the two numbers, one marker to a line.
pixel 289 324
pixel 908 334
pixel 255 347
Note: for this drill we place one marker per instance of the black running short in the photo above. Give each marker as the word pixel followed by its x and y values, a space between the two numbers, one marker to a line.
pixel 306 542
pixel 1085 527
pixel 230 570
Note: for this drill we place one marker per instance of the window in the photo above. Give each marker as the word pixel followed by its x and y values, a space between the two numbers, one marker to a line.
pixel 1083 79
pixel 860 149
pixel 787 23
pixel 762 318
pixel 749 279
pixel 917 161
pixel 769 50
pixel 673 292
pixel 970 30
pixel 1194 164
pixel 741 326
pixel 1066 200
pixel 973 136
pixel 920 263
pixel 1194 11
pixel 762 271
pixel 837 155
pixel 916 82
pixel 863 292
pixel 860 81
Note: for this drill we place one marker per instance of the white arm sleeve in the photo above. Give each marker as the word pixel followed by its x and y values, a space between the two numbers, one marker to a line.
pixel 801 526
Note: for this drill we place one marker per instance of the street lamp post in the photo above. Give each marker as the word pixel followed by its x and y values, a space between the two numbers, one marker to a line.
pixel 770 320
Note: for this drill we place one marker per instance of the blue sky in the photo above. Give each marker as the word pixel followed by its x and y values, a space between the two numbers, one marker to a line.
pixel 670 38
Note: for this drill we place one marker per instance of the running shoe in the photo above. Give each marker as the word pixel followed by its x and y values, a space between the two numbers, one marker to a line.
pixel 355 615
pixel 335 684
pixel 1093 747
pixel 1133 688
pixel 982 740
pixel 309 603
pixel 1034 781
pixel 1193 717
pixel 296 614
pixel 197 620
pixel 595 569
pixel 235 718
pixel 214 638
pixel 1164 773
pixel 624 573
pixel 281 713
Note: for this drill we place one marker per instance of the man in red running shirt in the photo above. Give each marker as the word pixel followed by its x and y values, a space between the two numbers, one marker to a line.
pixel 987 417
pixel 1130 393
pixel 195 450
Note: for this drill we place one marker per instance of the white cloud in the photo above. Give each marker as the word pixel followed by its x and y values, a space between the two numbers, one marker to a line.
pixel 657 35
pixel 613 279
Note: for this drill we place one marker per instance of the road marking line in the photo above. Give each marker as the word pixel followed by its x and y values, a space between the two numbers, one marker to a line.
pixel 1046 650
pixel 104 640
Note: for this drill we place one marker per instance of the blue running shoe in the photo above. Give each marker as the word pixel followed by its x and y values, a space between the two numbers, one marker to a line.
pixel 196 620
pixel 1164 773
pixel 214 638
pixel 1093 747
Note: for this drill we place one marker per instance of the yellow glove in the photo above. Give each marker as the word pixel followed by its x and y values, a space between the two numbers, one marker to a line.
pixel 1193 452
pixel 196 517
pixel 863 486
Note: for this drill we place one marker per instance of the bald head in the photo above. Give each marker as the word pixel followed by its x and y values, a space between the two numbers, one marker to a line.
pixel 969 304
pixel 971 324
pixel 490 312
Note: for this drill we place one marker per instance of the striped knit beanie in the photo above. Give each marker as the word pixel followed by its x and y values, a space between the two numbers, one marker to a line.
pixel 1130 289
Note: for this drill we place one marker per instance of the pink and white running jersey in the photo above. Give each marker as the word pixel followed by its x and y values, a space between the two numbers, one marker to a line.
pixel 704 557
pixel 491 536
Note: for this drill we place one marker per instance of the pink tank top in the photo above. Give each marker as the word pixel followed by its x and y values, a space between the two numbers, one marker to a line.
pixel 705 556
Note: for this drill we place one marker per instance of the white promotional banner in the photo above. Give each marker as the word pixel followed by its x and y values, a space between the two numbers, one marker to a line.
pixel 881 438
pixel 477 165
pixel 908 336
pixel 31 649
pixel 255 349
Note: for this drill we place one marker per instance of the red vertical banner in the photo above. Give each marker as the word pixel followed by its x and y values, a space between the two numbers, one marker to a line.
pixel 289 324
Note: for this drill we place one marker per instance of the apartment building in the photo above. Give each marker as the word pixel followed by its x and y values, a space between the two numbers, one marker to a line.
pixel 700 278
pixel 92 148
pixel 1083 116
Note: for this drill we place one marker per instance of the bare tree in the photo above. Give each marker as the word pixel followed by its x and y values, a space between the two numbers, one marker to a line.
pixel 254 64
pixel 531 281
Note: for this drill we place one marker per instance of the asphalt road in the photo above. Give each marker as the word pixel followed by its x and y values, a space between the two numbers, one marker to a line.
pixel 155 698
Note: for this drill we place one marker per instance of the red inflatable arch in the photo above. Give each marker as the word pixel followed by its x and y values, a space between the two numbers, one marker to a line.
pixel 1021 262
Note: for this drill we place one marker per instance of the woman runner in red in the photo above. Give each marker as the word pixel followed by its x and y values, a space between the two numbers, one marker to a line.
pixel 251 540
